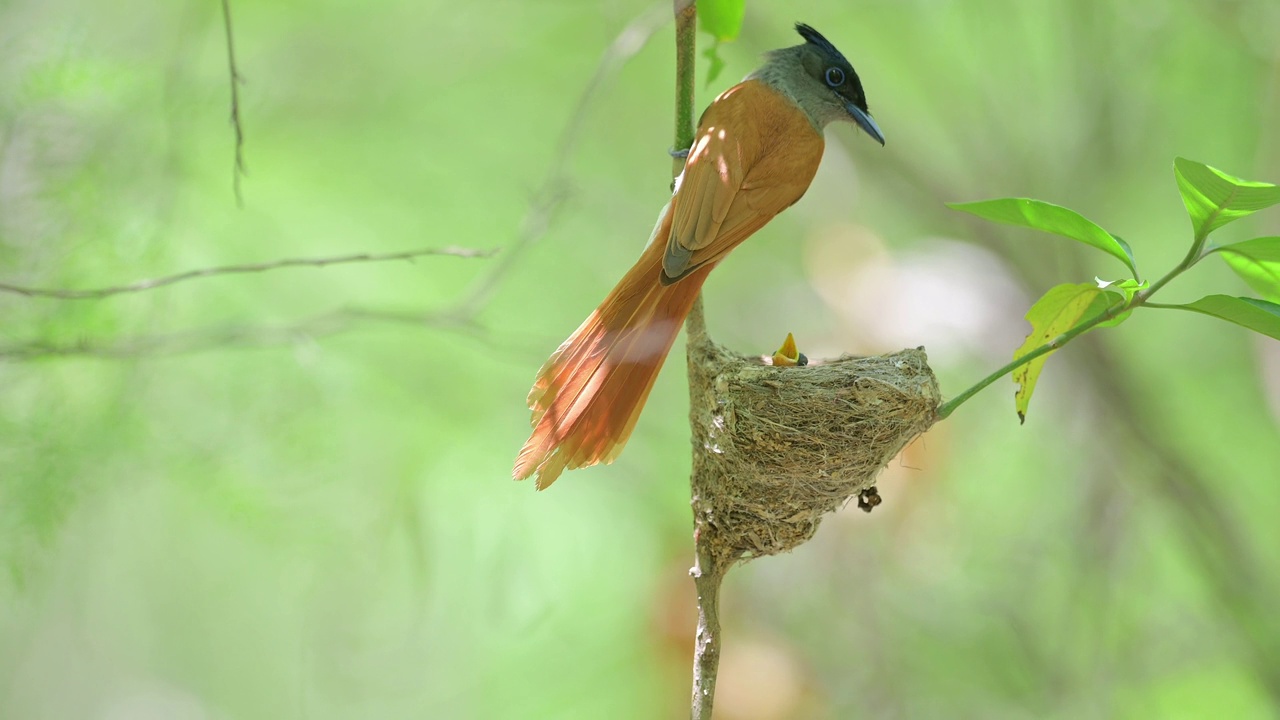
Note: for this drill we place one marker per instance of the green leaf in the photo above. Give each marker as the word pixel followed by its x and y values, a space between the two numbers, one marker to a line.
pixel 1113 293
pixel 722 19
pixel 1128 251
pixel 1257 315
pixel 1100 305
pixel 1050 218
pixel 1258 262
pixel 1125 288
pixel 712 54
pixel 1056 312
pixel 1214 198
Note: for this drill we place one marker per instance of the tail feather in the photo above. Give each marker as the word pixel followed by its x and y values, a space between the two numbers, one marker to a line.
pixel 589 393
pixel 570 358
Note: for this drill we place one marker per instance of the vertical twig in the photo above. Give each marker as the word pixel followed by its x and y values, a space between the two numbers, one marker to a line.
pixel 707 572
pixel 686 12
pixel 707 577
pixel 237 170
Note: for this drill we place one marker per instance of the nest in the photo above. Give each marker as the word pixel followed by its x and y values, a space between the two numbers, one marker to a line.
pixel 776 448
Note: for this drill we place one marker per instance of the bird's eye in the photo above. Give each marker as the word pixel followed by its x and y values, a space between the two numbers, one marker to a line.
pixel 835 76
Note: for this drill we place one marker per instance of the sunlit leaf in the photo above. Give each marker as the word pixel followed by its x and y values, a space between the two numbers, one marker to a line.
pixel 1119 291
pixel 1257 315
pixel 1214 198
pixel 722 19
pixel 1057 311
pixel 1128 251
pixel 1258 262
pixel 1126 288
pixel 1040 215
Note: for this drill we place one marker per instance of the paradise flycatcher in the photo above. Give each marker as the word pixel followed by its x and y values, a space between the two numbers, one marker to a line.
pixel 756 150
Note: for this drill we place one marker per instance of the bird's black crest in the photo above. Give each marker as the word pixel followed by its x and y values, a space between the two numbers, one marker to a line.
pixel 813 37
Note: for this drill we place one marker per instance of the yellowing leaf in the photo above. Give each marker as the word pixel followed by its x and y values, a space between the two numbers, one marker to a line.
pixel 1056 312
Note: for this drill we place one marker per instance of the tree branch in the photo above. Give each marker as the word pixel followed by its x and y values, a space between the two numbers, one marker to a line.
pixel 96 293
pixel 686 12
pixel 707 578
pixel 686 45
pixel 547 200
pixel 708 574
pixel 238 169
pixel 181 343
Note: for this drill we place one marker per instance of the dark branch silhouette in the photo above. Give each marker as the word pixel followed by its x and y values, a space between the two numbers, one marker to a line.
pixel 238 169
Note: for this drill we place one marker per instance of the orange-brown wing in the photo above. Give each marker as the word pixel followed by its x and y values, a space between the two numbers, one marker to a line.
pixel 754 156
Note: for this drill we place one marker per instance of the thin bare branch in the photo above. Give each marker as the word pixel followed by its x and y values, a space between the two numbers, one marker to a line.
pixel 238 169
pixel 234 336
pixel 554 190
pixel 141 285
pixel 547 200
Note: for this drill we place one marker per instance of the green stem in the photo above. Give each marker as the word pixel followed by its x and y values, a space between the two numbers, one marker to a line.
pixel 686 12
pixel 1139 299
pixel 950 406
pixel 707 574
pixel 1193 256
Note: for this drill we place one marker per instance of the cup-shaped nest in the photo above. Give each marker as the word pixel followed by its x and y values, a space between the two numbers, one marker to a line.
pixel 776 448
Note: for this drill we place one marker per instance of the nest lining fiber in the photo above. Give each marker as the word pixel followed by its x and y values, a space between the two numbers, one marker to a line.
pixel 776 448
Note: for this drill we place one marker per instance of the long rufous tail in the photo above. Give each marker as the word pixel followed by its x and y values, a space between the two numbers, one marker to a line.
pixel 589 393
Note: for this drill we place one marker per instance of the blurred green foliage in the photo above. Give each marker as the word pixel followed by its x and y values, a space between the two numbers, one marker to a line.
pixel 315 520
pixel 722 20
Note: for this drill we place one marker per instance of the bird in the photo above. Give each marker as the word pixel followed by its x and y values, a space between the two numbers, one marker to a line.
pixel 755 152
pixel 788 355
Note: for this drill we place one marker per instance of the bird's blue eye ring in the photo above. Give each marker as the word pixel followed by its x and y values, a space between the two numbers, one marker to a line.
pixel 835 76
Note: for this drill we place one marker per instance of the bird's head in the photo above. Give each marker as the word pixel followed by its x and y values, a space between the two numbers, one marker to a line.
pixel 830 89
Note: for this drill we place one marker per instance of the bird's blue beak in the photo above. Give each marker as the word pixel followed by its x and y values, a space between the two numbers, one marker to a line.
pixel 865 122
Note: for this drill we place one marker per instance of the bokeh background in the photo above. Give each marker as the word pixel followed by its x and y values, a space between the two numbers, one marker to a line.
pixel 287 495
